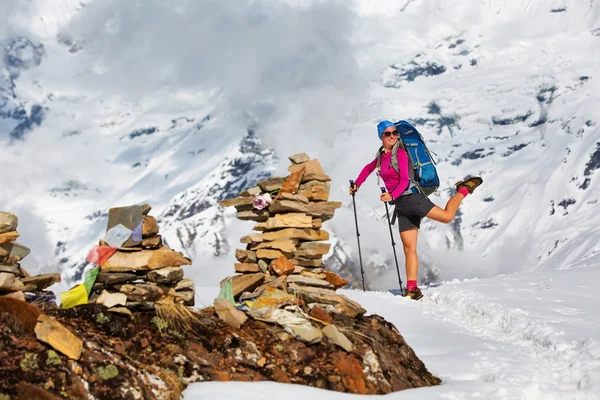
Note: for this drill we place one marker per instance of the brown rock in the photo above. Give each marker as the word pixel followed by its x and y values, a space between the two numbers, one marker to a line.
pixel 317 223
pixel 282 266
pixel 320 314
pixel 228 313
pixel 315 177
pixel 185 283
pixel 315 190
pixel 145 209
pixel 291 233
pixel 291 183
pixel 39 282
pixel 260 226
pixel 187 297
pixel 238 201
pixel 149 227
pixel 308 281
pixel 303 262
pixel 336 280
pixel 286 245
pixel 10 283
pixel 112 278
pixel 337 337
pixel 311 167
pixel 56 335
pixel 111 299
pixel 165 275
pixel 293 197
pixel 252 238
pixel 341 303
pixel 270 184
pixel 245 256
pixel 322 209
pixel 152 242
pixel 14 252
pixel 299 158
pixel 141 292
pixel 12 269
pixel 294 287
pixel 253 215
pixel 270 254
pixel 246 283
pixel 144 260
pixel 8 237
pixel 306 272
pixel 290 220
pixel 8 222
pixel 246 267
pixel 255 191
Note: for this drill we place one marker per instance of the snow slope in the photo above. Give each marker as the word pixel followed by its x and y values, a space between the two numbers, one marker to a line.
pixel 530 335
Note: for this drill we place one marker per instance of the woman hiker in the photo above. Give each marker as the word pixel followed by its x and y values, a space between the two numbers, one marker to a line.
pixel 410 208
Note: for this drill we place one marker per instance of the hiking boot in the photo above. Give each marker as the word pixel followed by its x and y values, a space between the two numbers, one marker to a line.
pixel 414 294
pixel 471 183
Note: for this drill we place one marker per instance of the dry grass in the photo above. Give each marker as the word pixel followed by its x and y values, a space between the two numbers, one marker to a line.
pixel 178 316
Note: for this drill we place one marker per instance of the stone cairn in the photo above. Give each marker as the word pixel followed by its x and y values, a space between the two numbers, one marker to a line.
pixel 282 278
pixel 14 280
pixel 141 271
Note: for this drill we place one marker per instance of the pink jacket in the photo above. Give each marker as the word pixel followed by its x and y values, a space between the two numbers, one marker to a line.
pixel 395 183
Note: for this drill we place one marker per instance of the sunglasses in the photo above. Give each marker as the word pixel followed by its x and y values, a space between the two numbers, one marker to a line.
pixel 388 134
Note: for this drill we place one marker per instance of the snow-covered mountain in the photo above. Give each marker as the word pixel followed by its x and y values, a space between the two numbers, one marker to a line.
pixel 181 105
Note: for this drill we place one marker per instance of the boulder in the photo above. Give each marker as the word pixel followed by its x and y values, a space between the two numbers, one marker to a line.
pixel 238 201
pixel 112 278
pixel 253 215
pixel 291 183
pixel 332 333
pixel 112 299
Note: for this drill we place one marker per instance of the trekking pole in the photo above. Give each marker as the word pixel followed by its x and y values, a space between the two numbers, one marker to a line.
pixel 387 211
pixel 362 271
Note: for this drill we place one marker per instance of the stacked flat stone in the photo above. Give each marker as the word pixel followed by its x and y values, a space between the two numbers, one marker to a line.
pixel 140 274
pixel 14 280
pixel 288 248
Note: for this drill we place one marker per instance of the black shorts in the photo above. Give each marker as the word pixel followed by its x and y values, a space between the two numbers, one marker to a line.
pixel 410 210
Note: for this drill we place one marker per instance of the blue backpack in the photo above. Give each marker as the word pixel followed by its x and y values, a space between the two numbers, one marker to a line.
pixel 421 166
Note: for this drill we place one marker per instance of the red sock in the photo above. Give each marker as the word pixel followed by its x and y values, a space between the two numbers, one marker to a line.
pixel 464 191
pixel 411 285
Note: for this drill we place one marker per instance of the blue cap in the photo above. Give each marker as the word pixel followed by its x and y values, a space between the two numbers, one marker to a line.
pixel 382 126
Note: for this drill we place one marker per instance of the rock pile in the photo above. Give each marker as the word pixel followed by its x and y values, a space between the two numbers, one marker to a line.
pixel 136 268
pixel 282 277
pixel 14 280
